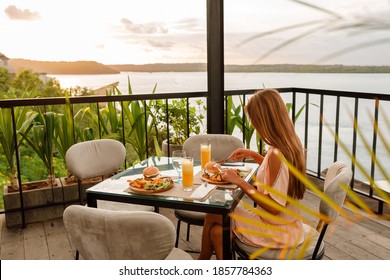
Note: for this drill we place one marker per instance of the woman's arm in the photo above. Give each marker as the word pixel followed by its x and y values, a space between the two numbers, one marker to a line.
pixel 246 153
pixel 256 195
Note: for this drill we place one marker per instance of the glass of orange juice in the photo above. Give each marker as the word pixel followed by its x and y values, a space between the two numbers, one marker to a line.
pixel 205 154
pixel 187 168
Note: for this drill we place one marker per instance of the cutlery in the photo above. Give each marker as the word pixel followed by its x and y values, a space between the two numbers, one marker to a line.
pixel 217 166
pixel 222 160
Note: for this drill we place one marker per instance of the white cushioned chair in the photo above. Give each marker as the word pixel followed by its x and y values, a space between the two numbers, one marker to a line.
pixel 338 173
pixel 222 145
pixel 100 234
pixel 95 158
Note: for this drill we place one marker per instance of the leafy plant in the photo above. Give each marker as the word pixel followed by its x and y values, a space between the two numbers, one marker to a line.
pixel 64 134
pixel 179 128
pixel 334 21
pixel 141 134
pixel 23 118
pixel 237 118
pixel 42 139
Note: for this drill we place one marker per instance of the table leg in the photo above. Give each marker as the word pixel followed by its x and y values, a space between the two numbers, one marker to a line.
pixel 226 239
pixel 91 201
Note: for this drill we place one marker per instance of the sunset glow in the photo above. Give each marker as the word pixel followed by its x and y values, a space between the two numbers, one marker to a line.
pixel 174 31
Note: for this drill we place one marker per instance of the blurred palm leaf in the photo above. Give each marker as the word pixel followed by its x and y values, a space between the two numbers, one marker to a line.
pixel 336 22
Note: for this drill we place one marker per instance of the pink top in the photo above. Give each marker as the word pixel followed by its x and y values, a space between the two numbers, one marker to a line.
pixel 273 231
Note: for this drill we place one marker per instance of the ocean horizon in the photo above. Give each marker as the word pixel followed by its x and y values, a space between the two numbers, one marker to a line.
pixel 144 82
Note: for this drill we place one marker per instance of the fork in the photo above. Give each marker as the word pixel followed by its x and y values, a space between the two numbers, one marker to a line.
pixel 217 166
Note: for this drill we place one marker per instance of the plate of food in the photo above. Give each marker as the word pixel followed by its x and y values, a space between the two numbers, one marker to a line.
pixel 212 174
pixel 156 185
pixel 151 182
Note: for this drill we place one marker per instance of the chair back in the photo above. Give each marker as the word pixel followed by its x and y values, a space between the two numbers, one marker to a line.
pixel 338 173
pixel 222 145
pixel 95 158
pixel 100 234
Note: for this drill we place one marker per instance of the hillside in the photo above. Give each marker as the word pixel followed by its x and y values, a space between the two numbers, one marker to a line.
pixel 51 67
pixel 92 67
pixel 161 67
pixel 282 68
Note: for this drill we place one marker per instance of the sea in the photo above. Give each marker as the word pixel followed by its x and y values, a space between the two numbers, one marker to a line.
pixel 144 82
pixel 169 82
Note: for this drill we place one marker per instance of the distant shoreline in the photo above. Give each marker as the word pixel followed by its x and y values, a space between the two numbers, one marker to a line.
pixel 92 67
pixel 277 68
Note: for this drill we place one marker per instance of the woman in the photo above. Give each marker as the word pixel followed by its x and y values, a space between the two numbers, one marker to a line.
pixel 274 227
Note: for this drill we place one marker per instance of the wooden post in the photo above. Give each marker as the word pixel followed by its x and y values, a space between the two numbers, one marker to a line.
pixel 215 67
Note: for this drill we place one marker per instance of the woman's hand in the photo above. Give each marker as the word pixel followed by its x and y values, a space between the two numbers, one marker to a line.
pixel 239 154
pixel 230 175
pixel 242 153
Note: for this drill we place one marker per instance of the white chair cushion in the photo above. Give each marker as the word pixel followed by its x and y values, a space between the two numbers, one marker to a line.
pixel 119 206
pixel 100 234
pixel 222 145
pixel 95 158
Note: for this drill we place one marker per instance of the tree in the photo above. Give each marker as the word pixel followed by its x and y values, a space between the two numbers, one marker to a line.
pixel 5 80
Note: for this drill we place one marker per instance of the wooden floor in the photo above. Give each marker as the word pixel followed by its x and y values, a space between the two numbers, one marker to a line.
pixel 367 239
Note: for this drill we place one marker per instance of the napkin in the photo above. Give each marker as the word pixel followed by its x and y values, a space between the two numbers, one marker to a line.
pixel 202 191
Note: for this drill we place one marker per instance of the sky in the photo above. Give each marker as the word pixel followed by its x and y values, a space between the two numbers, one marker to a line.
pixel 350 32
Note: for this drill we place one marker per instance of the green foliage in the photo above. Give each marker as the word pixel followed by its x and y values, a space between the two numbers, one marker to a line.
pixel 179 129
pixel 15 87
pixel 42 139
pixel 5 80
pixel 237 118
pixel 23 118
pixel 141 134
pixel 64 134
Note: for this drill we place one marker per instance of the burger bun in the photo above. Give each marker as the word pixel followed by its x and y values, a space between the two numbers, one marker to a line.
pixel 212 167
pixel 151 172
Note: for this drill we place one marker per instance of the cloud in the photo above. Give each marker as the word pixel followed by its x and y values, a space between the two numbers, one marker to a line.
pixel 15 13
pixel 188 24
pixel 161 45
pixel 147 28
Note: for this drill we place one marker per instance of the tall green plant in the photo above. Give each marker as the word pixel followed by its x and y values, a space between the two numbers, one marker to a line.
pixel 142 124
pixel 42 140
pixel 236 118
pixel 23 118
pixel 64 134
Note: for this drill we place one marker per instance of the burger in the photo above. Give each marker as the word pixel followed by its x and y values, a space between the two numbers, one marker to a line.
pixel 212 171
pixel 151 172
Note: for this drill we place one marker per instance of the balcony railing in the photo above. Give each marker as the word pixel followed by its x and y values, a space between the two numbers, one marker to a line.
pixel 333 125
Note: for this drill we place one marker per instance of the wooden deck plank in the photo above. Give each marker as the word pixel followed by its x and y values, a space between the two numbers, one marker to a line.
pixel 351 243
pixel 334 253
pixel 35 244
pixel 381 240
pixel 57 240
pixel 12 244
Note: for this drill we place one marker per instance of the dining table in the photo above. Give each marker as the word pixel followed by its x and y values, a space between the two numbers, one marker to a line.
pixel 214 198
